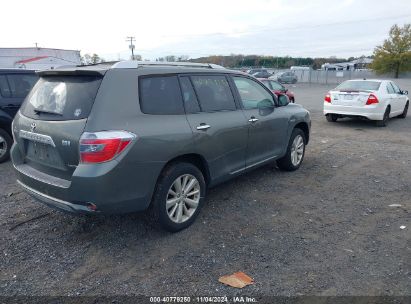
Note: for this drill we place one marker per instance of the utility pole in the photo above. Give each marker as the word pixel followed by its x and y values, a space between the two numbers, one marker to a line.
pixel 131 46
pixel 36 45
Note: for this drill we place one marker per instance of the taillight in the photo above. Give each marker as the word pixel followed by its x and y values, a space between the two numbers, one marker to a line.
pixel 327 98
pixel 372 99
pixel 99 147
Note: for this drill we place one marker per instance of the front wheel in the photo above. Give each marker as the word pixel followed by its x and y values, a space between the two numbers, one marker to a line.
pixel 5 145
pixel 295 152
pixel 404 113
pixel 179 196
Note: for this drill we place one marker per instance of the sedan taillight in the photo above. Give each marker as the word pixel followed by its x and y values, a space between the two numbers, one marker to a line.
pixel 372 99
pixel 327 98
pixel 100 147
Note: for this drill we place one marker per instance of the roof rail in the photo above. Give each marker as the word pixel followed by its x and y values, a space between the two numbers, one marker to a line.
pixel 132 64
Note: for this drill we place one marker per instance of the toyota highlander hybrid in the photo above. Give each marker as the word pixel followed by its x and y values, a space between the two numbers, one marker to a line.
pixel 137 135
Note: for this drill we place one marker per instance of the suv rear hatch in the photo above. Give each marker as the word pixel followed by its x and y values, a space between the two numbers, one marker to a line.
pixel 52 120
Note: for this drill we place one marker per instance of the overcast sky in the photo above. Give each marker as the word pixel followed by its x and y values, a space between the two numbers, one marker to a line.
pixel 304 28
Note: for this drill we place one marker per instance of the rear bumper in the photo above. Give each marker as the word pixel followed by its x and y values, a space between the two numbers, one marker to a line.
pixel 372 112
pixel 55 202
pixel 113 187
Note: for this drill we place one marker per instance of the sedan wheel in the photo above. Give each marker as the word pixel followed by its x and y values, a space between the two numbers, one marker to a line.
pixel 183 198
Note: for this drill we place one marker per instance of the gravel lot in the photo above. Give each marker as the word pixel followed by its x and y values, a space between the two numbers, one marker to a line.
pixel 326 229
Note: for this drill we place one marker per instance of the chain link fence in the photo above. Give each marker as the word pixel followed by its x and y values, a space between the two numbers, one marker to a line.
pixel 335 77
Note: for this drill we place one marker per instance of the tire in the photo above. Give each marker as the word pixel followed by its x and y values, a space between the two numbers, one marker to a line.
pixel 5 145
pixel 386 117
pixel 404 113
pixel 331 117
pixel 184 214
pixel 287 162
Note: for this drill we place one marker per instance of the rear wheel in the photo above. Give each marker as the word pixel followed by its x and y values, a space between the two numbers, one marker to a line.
pixel 295 152
pixel 179 196
pixel 5 145
pixel 331 117
pixel 386 117
pixel 404 113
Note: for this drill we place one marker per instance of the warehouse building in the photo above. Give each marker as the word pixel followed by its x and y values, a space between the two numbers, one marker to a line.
pixel 35 58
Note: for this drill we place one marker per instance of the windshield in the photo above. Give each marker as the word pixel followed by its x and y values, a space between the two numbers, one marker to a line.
pixel 359 85
pixel 62 97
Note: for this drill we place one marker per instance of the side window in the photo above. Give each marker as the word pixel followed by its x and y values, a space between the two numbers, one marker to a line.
pixel 160 95
pixel 4 87
pixel 252 94
pixel 20 84
pixel 189 96
pixel 396 88
pixel 390 89
pixel 214 93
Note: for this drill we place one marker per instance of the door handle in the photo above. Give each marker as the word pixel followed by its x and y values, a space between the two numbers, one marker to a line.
pixel 203 127
pixel 253 119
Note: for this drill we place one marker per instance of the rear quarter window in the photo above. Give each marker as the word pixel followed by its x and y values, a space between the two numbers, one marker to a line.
pixel 62 98
pixel 160 95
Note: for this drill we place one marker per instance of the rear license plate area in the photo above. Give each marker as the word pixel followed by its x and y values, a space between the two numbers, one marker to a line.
pixel 42 153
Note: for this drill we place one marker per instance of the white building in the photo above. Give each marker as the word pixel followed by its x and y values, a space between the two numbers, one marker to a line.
pixel 360 63
pixel 34 58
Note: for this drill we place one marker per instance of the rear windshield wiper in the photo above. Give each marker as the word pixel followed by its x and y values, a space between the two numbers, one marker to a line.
pixel 38 111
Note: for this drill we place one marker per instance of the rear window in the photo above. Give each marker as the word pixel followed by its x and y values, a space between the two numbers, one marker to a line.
pixel 17 85
pixel 160 96
pixel 62 98
pixel 361 85
pixel 214 93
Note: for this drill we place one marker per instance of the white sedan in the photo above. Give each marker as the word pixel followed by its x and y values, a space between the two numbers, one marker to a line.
pixel 370 98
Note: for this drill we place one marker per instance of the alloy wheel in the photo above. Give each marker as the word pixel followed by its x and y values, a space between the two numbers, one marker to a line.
pixel 3 146
pixel 297 150
pixel 183 198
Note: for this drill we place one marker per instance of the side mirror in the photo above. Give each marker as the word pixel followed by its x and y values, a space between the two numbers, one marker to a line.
pixel 265 107
pixel 264 104
pixel 283 100
pixel 404 92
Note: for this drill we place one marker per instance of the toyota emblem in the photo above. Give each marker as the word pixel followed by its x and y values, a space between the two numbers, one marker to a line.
pixel 33 126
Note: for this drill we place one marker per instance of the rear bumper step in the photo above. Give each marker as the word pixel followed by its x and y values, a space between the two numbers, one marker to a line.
pixel 42 177
pixel 55 202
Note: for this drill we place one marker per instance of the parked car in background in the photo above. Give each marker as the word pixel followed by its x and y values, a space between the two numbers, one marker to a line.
pixel 278 88
pixel 15 84
pixel 260 73
pixel 138 135
pixel 264 74
pixel 373 99
pixel 285 77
